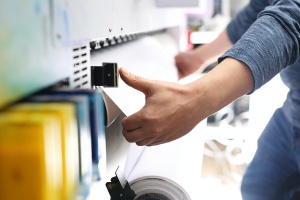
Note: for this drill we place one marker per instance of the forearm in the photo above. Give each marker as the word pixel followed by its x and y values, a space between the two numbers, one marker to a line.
pixel 208 53
pixel 228 81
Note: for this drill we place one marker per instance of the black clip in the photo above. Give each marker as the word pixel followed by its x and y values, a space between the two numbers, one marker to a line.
pixel 106 75
pixel 116 190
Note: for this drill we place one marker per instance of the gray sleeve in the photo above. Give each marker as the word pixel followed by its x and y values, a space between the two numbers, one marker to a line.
pixel 245 18
pixel 271 43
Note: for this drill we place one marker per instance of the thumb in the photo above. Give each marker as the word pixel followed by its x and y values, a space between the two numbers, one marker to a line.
pixel 137 82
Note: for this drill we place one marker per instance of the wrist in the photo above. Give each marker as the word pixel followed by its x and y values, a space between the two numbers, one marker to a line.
pixel 228 81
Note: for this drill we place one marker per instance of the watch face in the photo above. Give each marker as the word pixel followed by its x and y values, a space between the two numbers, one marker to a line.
pixel 152 196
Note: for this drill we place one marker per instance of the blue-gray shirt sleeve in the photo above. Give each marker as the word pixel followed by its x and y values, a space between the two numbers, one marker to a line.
pixel 245 18
pixel 271 43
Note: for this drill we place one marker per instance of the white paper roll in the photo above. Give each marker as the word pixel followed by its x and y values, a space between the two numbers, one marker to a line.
pixel 177 162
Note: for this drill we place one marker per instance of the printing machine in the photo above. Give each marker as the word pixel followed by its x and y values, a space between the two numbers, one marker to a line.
pixel 46 42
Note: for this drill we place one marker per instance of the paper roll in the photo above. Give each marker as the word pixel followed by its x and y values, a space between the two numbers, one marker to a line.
pixel 179 161
pixel 154 187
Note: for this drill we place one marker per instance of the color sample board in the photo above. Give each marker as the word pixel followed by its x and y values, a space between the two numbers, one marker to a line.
pixel 97 115
pixel 82 115
pixel 66 113
pixel 30 156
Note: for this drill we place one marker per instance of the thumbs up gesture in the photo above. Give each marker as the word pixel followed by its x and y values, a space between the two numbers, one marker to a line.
pixel 172 110
pixel 169 111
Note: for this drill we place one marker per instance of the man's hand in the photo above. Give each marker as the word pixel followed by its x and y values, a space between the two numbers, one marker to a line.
pixel 198 59
pixel 172 110
pixel 187 63
pixel 168 114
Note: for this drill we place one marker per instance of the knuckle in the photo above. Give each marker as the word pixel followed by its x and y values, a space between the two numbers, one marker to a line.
pixel 127 136
pixel 140 144
pixel 123 123
pixel 146 117
pixel 156 131
pixel 149 117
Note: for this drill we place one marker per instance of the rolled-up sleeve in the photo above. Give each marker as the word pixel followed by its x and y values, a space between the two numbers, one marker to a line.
pixel 271 43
